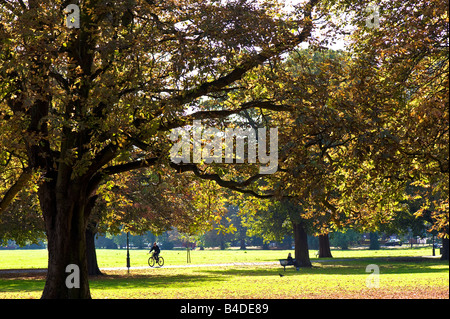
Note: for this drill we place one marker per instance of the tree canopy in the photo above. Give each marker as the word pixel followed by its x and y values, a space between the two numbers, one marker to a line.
pixel 81 105
pixel 97 100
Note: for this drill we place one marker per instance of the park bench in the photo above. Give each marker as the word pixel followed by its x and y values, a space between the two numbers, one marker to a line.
pixel 285 262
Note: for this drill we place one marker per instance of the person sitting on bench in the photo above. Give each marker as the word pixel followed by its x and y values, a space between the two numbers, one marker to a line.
pixel 290 259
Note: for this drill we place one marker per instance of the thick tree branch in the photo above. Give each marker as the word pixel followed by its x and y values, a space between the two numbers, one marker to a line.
pixel 60 79
pixel 253 61
pixel 21 182
pixel 116 169
pixel 235 186
pixel 184 120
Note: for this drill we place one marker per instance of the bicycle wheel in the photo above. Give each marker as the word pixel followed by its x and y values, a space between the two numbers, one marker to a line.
pixel 151 261
pixel 160 261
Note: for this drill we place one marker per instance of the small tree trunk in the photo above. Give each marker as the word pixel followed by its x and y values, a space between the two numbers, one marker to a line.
pixel 243 246
pixel 374 243
pixel 445 249
pixel 301 246
pixel 324 246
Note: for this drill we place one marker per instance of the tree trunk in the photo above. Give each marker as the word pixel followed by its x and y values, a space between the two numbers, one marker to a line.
pixel 93 269
pixel 243 246
pixel 324 246
pixel 301 246
pixel 445 249
pixel 65 222
pixel 374 243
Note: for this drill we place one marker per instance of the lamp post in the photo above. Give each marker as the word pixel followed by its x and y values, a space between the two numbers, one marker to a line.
pixel 434 252
pixel 128 252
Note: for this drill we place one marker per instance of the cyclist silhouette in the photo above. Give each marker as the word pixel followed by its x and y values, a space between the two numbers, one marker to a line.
pixel 156 251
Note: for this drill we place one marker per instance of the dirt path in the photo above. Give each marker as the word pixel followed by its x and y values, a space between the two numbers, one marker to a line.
pixel 198 265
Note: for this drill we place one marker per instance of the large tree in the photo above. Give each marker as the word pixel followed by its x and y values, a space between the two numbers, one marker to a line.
pixel 365 125
pixel 406 86
pixel 78 105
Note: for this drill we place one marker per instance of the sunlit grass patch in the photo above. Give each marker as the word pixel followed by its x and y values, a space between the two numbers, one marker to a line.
pixel 399 277
pixel 340 280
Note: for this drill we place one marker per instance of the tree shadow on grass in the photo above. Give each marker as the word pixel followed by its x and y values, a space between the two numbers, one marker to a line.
pixel 33 282
pixel 23 284
pixel 354 266
pixel 146 281
pixel 409 265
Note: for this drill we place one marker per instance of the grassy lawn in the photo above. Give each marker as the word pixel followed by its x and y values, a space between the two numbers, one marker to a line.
pixel 107 258
pixel 399 277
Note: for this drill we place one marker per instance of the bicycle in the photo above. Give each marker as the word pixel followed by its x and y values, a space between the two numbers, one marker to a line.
pixel 152 261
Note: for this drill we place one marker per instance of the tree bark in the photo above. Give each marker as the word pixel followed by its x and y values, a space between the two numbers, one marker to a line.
pixel 445 248
pixel 243 246
pixel 324 246
pixel 374 243
pixel 301 246
pixel 65 222
pixel 93 269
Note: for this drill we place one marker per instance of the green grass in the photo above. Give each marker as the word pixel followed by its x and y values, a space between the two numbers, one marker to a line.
pixel 323 281
pixel 107 258
pixel 399 277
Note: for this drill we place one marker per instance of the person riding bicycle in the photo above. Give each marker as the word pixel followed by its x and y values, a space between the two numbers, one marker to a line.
pixel 155 250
